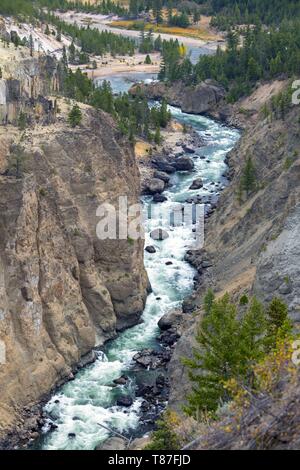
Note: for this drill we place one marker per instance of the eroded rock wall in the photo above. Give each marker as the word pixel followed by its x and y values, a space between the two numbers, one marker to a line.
pixel 251 245
pixel 62 290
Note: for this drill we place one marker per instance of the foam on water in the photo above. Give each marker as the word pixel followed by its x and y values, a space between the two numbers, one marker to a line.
pixel 90 399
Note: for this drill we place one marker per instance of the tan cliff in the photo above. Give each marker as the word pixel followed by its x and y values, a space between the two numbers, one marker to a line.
pixel 62 290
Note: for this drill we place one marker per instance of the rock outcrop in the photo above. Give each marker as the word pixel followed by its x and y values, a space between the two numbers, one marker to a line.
pixel 198 99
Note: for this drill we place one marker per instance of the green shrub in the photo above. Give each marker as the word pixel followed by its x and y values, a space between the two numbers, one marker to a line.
pixel 165 438
pixel 229 345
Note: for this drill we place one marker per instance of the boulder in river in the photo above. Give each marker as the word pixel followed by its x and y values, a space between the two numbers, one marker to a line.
pixel 154 186
pixel 121 380
pixel 150 249
pixel 164 166
pixel 124 401
pixel 188 149
pixel 159 234
pixel 170 319
pixel 197 184
pixel 161 176
pixel 152 359
pixel 183 164
pixel 159 198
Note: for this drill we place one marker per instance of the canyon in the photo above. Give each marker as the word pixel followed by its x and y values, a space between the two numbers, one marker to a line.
pixel 68 299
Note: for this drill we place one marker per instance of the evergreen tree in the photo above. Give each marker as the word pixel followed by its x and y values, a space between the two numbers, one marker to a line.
pixel 248 180
pixel 165 438
pixel 227 349
pixel 148 60
pixel 157 136
pixel 72 53
pixel 16 160
pixel 278 323
pixel 22 121
pixel 75 116
pixel 208 301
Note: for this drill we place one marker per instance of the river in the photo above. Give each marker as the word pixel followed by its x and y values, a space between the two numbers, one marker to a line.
pixel 195 47
pixel 78 407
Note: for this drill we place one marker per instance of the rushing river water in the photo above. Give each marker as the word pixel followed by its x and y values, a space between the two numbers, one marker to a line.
pixel 81 404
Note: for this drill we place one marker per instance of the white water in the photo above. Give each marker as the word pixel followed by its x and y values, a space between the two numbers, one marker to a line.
pixel 90 398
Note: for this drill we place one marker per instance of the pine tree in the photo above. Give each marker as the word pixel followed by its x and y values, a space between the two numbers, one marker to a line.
pixel 165 438
pixel 72 53
pixel 148 60
pixel 75 116
pixel 208 301
pixel 22 121
pixel 278 323
pixel 16 160
pixel 248 180
pixel 157 136
pixel 227 349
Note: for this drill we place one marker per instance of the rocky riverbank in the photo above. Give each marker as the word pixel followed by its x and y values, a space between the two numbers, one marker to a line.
pixel 251 243
pixel 209 98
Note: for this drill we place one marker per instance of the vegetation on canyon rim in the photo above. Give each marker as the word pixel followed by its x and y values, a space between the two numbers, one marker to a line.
pixel 242 350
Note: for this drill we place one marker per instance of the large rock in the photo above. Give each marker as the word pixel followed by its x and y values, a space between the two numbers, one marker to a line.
pixel 183 164
pixel 159 234
pixel 152 359
pixel 154 186
pixel 162 176
pixel 113 443
pixel 150 249
pixel 124 401
pixel 198 99
pixel 164 166
pixel 140 443
pixel 197 184
pixel 159 198
pixel 170 319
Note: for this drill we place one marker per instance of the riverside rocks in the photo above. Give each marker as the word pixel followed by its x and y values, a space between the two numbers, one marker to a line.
pixel 124 401
pixel 159 234
pixel 163 165
pixel 154 186
pixel 183 164
pixel 162 176
pixel 150 249
pixel 152 359
pixel 121 380
pixel 197 184
pixel 170 319
pixel 159 198
pixel 198 99
pixel 113 443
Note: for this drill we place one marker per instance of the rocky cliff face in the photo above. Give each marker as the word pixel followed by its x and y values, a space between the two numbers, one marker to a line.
pixel 252 246
pixel 62 290
pixel 202 98
pixel 24 83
